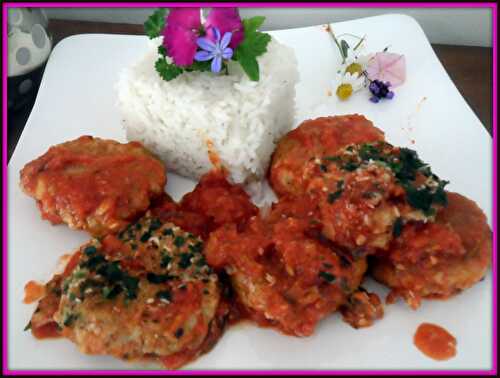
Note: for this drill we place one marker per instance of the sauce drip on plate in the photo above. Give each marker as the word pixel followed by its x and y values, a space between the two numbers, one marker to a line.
pixel 33 291
pixel 435 342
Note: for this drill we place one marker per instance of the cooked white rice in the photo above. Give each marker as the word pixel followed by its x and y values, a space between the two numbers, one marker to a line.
pixel 241 118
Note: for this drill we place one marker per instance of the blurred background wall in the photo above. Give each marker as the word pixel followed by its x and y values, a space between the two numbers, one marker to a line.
pixel 461 26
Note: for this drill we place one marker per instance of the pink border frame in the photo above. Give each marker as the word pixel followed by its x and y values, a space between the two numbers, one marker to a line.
pixel 7 371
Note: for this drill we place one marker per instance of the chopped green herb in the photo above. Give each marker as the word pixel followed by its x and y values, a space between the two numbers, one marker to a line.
pixel 196 248
pixel 419 198
pixel 155 224
pixel 72 297
pixel 179 332
pixel 93 262
pixel 69 319
pixel 405 165
pixel 350 166
pixel 179 241
pixel 28 326
pixel 440 196
pixel 66 284
pixel 110 293
pixel 369 152
pixel 201 262
pixel 185 260
pixel 79 274
pixel 111 271
pixel 397 227
pixel 145 237
pixel 327 276
pixel 165 295
pixel 332 158
pixel 90 250
pixel 158 278
pixel 332 197
pixel 165 260
pixel 168 231
pixel 89 284
pixel 131 286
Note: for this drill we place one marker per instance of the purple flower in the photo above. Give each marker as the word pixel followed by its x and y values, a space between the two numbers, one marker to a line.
pixel 179 37
pixel 215 51
pixel 380 90
pixel 226 20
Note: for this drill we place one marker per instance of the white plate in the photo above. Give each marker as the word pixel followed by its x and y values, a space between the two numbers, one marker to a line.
pixel 77 97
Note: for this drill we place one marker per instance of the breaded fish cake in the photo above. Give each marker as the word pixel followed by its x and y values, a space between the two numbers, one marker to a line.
pixel 311 140
pixel 219 200
pixel 368 191
pixel 438 260
pixel 94 184
pixel 282 274
pixel 213 202
pixel 146 293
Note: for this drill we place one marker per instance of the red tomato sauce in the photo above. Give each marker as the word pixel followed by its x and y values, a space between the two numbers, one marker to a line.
pixel 46 331
pixel 435 342
pixel 33 291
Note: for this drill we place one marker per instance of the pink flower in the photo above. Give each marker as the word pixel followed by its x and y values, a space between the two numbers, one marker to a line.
pixel 387 67
pixel 181 33
pixel 226 20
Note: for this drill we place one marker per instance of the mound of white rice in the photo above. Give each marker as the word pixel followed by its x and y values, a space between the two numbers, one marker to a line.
pixel 240 118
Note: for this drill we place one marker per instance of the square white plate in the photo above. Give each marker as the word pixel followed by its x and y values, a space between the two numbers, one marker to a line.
pixel 428 114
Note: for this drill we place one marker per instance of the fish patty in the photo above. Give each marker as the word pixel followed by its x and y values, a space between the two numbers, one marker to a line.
pixel 146 293
pixel 289 173
pixel 283 273
pixel 94 184
pixel 366 192
pixel 438 260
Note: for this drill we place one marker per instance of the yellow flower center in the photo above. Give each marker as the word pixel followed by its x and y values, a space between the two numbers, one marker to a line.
pixel 344 91
pixel 354 68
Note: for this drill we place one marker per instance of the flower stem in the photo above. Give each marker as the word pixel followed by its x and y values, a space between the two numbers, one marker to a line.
pixel 350 35
pixel 359 43
pixel 337 43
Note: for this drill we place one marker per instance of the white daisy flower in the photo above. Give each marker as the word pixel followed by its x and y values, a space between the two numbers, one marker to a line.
pixel 355 62
pixel 349 84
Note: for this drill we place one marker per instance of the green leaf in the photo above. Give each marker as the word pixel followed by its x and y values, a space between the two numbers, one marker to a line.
pixel 167 71
pixel 155 23
pixel 254 45
pixel 199 66
pixel 250 66
pixel 252 24
pixel 162 50
pixel 345 47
